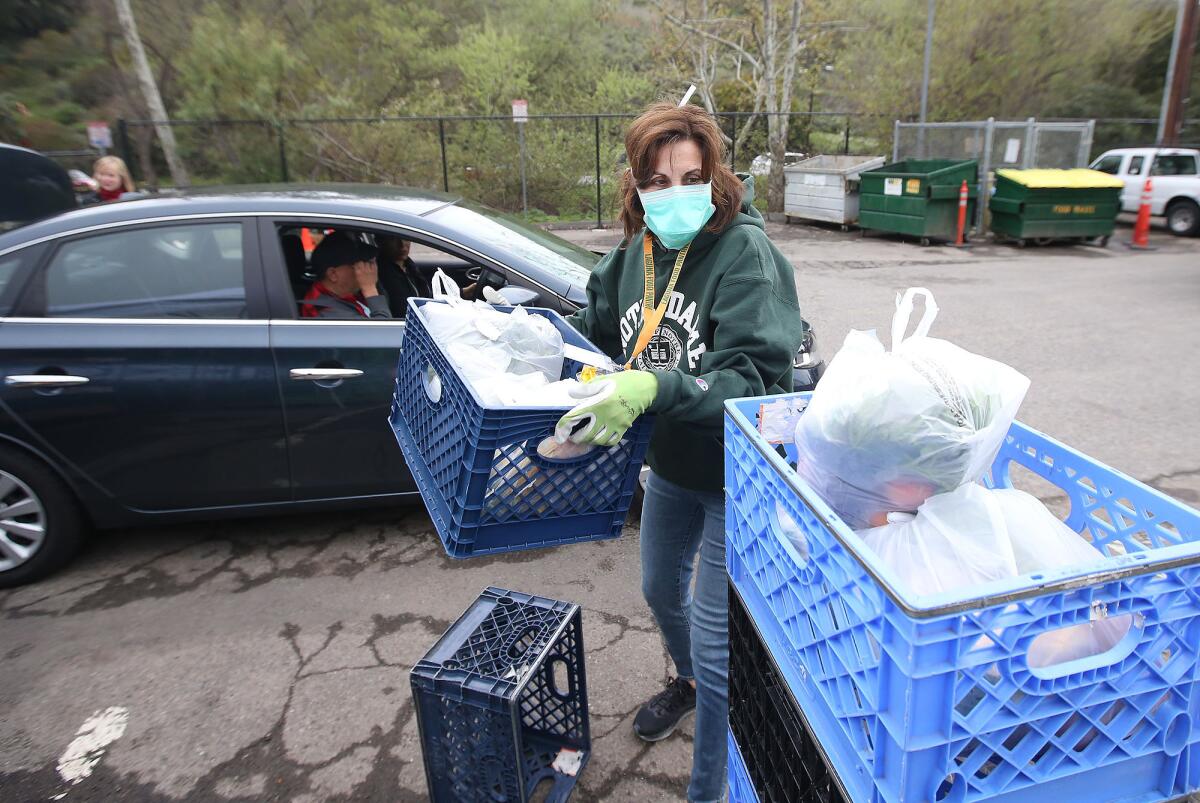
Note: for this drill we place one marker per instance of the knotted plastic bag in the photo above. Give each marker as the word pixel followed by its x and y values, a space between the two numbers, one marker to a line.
pixel 885 430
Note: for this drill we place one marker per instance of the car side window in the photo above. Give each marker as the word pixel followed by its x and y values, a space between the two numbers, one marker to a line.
pixel 1174 164
pixel 1109 164
pixel 10 266
pixel 405 267
pixel 1135 165
pixel 192 270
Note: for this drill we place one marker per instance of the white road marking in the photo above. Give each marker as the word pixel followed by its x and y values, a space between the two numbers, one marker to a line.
pixel 91 740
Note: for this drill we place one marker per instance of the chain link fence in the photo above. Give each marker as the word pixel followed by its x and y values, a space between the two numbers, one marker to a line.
pixel 563 167
pixel 571 162
pixel 996 144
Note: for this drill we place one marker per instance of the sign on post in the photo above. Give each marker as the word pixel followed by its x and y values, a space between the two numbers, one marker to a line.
pixel 520 117
pixel 98 134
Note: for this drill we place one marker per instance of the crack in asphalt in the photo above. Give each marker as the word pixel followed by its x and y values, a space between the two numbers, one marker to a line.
pixel 18 610
pixel 262 769
pixel 386 625
pixel 286 778
pixel 289 777
pixel 1174 475
pixel 606 789
pixel 623 627
pixel 146 580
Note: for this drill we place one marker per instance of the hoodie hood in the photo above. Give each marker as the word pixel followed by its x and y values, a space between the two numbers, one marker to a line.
pixel 746 216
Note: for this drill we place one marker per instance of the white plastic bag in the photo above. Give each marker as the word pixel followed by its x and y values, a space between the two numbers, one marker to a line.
pixel 509 359
pixel 1041 542
pixel 955 540
pixel 532 343
pixel 886 430
pixel 974 535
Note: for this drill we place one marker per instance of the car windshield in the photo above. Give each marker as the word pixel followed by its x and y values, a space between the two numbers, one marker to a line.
pixel 565 260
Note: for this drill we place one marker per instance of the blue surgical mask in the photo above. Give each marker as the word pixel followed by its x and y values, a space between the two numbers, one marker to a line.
pixel 677 214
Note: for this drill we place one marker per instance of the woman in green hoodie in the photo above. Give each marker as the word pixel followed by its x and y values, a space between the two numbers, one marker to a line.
pixel 700 307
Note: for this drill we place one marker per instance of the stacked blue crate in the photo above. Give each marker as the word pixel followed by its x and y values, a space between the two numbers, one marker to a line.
pixel 478 468
pixel 501 702
pixel 931 698
pixel 741 790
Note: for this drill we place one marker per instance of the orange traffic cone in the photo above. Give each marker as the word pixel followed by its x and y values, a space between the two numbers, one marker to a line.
pixel 306 239
pixel 1141 229
pixel 962 215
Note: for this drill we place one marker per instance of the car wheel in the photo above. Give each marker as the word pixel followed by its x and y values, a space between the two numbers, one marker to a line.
pixel 40 523
pixel 1183 218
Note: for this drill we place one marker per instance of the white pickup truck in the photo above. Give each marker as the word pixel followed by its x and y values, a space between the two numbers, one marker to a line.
pixel 1175 183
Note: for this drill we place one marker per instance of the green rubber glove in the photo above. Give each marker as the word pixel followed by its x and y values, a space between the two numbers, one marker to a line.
pixel 610 405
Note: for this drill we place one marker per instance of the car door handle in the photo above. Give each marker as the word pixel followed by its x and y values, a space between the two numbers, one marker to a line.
pixel 44 381
pixel 325 374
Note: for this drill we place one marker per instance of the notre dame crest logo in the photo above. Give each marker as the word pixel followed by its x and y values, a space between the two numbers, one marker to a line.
pixel 663 352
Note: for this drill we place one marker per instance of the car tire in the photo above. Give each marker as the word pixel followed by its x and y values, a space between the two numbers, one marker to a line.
pixel 47 503
pixel 1183 218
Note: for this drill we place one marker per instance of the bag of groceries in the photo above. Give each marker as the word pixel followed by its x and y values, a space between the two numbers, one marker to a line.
pixel 885 430
pixel 974 535
pixel 510 359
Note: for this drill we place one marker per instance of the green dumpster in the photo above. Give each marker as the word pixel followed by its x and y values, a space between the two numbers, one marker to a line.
pixel 1055 204
pixel 918 197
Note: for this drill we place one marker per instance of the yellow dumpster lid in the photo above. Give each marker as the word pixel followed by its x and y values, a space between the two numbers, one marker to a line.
pixel 1076 178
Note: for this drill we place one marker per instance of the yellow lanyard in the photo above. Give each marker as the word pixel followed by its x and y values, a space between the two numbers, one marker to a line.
pixel 652 316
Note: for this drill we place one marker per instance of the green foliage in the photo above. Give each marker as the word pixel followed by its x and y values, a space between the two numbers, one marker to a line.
pixel 25 19
pixel 234 71
pixel 1010 60
pixel 63 63
pixel 52 81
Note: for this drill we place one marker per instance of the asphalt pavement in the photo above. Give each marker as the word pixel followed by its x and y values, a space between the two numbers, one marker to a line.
pixel 268 659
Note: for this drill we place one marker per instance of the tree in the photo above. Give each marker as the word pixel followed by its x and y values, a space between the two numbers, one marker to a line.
pixel 1010 60
pixel 149 87
pixel 763 43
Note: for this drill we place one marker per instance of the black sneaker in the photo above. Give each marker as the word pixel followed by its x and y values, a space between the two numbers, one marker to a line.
pixel 659 717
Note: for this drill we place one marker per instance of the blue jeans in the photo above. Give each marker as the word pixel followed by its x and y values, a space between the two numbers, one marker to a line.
pixel 676 525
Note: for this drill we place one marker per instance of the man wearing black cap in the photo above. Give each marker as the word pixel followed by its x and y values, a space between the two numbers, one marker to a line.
pixel 346 285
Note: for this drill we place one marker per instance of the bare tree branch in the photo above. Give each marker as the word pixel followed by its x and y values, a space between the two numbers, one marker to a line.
pixel 701 32
pixel 364 164
pixel 770 48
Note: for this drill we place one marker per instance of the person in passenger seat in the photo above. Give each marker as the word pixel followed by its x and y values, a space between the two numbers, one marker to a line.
pixel 347 281
pixel 398 275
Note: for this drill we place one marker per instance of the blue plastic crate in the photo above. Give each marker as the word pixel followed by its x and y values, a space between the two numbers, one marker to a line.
pixel 931 699
pixel 499 696
pixel 478 470
pixel 740 788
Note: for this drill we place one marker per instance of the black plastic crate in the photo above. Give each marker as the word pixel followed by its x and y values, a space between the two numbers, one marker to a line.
pixel 782 758
pixel 501 697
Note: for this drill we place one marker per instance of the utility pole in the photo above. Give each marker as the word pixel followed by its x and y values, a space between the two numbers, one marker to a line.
pixel 1179 73
pixel 141 67
pixel 925 80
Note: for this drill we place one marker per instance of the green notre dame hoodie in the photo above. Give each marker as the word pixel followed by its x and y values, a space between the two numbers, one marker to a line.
pixel 731 328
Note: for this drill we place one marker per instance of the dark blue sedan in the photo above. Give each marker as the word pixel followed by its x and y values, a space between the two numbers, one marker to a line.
pixel 156 367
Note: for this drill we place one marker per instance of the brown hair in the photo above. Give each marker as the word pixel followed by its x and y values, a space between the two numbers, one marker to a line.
pixel 663 124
